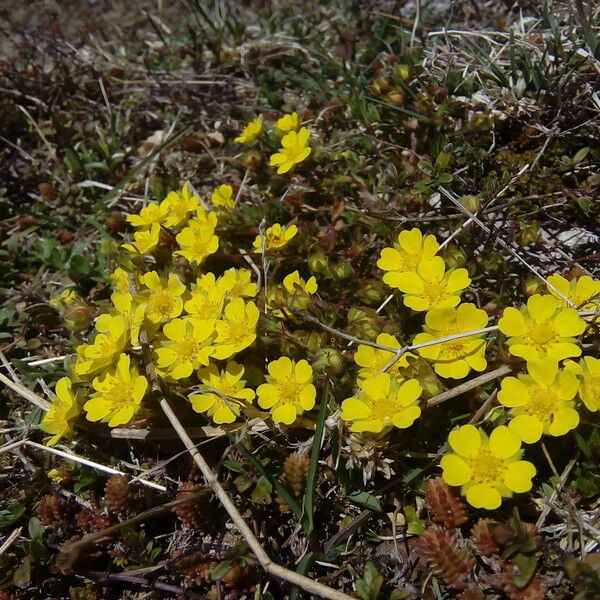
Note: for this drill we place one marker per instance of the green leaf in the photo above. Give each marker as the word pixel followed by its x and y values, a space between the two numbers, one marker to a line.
pixel 234 466
pixel 11 515
pixel 281 490
pixel 526 565
pixel 22 574
pixel 36 530
pixel 399 109
pixel 442 161
pixel 303 566
pixel 262 491
pixel 311 479
pixel 365 499
pixel 369 586
pixel 221 570
pixel 580 155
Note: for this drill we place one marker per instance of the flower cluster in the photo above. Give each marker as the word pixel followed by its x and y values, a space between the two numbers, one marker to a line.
pixel 412 266
pixel 196 326
pixel 544 332
pixel 186 320
pixel 294 141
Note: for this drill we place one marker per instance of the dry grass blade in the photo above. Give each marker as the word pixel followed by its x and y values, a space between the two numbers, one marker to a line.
pixel 309 585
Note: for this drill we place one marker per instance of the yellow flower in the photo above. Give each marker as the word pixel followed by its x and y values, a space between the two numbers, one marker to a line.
pixel 197 241
pixel 454 359
pixel 288 391
pixel 431 286
pixel 407 254
pixel 149 215
pixel 488 469
pixel 588 370
pixel 583 292
pixel 295 294
pixel 294 283
pixel 162 299
pixel 373 360
pixel 144 241
pixel 108 344
pixel 118 394
pixel 251 131
pixel 294 150
pixel 66 298
pixel 237 329
pixel 276 237
pixel 119 280
pixel 540 402
pixel 225 393
pixel 62 410
pixel 545 328
pixel 56 476
pixel 238 283
pixel 179 205
pixel 206 304
pixel 223 196
pixel 288 122
pixel 130 309
pixel 187 346
pixel 383 402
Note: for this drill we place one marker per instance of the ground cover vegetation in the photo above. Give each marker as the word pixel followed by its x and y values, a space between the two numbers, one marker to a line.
pixel 300 303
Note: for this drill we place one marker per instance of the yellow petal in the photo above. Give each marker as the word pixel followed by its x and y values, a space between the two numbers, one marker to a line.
pixel 482 495
pixel 518 475
pixel 465 440
pixel 503 443
pixel 456 470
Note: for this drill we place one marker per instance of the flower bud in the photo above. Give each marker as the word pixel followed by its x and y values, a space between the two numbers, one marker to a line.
pixel 402 72
pixel 363 323
pixel 454 257
pixel 533 285
pixel 395 97
pixel 528 233
pixel 342 270
pixel 329 360
pixel 380 87
pixel 252 159
pixel 78 317
pixel 371 292
pixel 317 262
pixel 471 203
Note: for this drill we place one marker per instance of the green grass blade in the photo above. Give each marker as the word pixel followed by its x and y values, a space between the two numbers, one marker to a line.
pixel 311 479
pixel 303 566
pixel 282 491
pixel 405 111
pixel 140 167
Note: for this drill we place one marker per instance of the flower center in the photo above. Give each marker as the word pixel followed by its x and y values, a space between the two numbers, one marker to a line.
pixel 104 346
pixel 384 408
pixel 434 291
pixel 543 402
pixel 485 467
pixel 542 333
pixel 592 389
pixel 289 390
pixel 162 304
pixel 186 349
pixel 120 394
pixel 410 260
